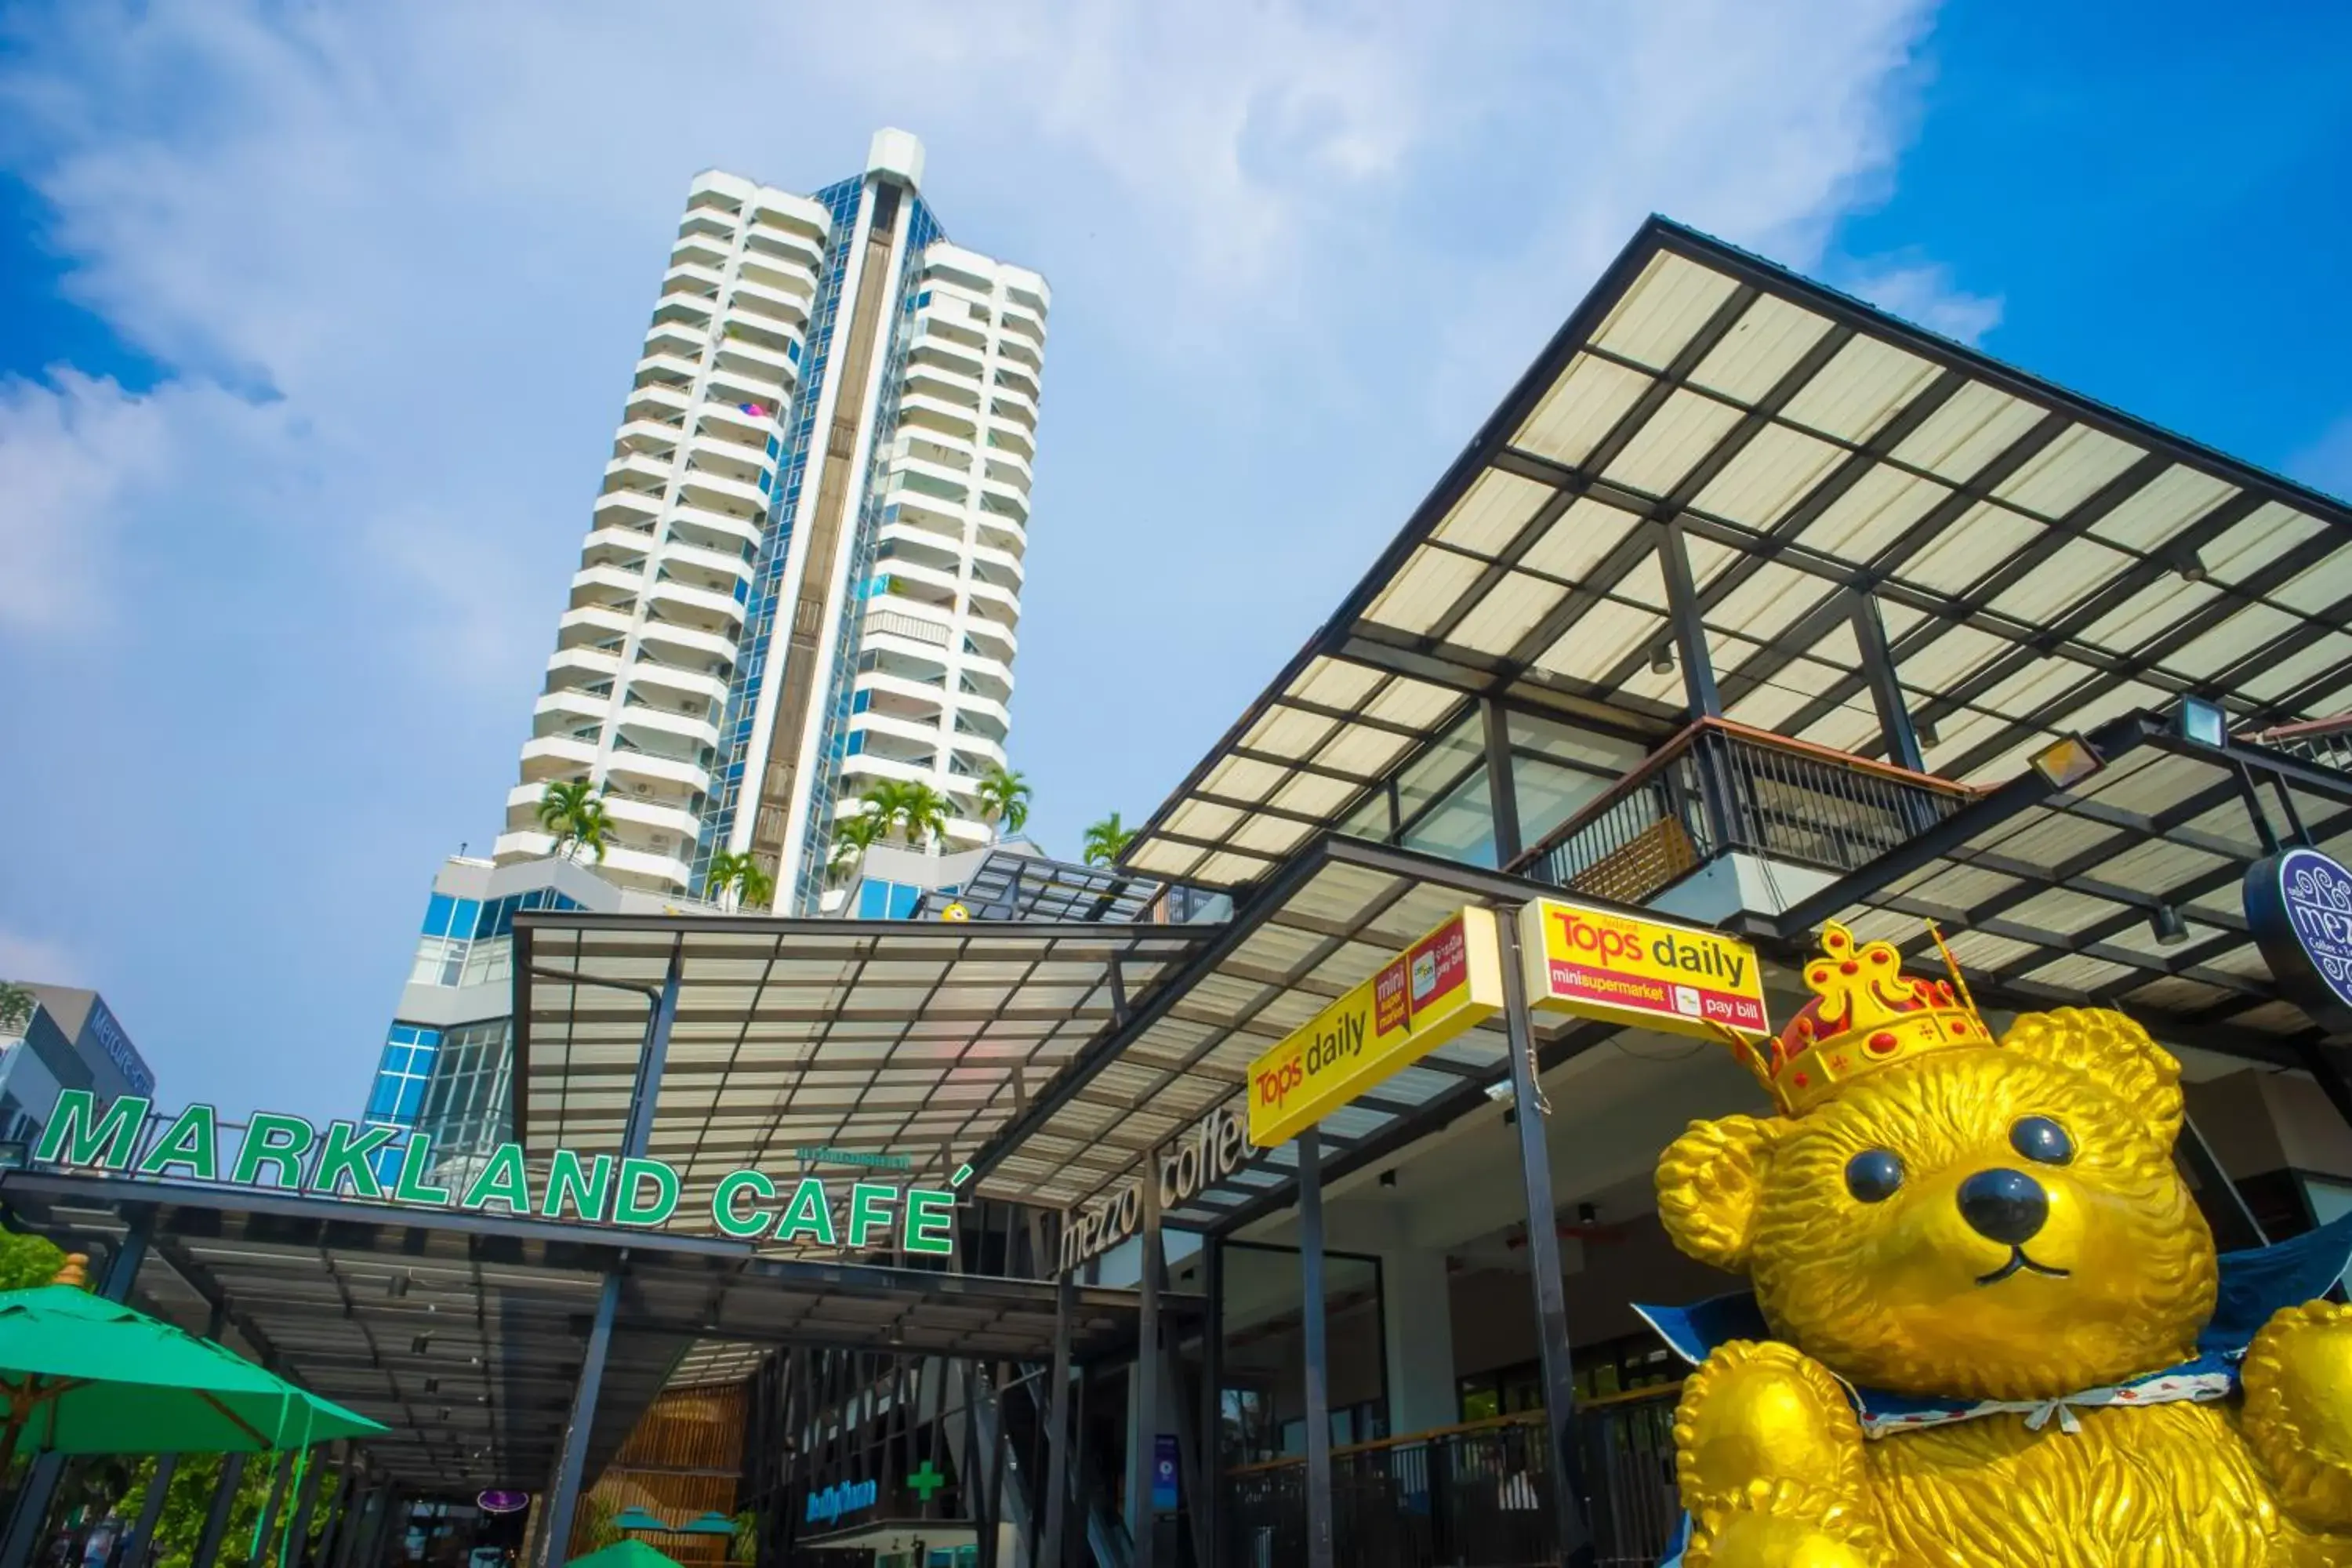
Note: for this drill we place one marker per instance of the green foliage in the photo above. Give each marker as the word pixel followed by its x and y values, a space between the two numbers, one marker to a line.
pixel 1003 797
pixel 853 838
pixel 595 1527
pixel 1107 840
pixel 914 811
pixel 745 1545
pixel 741 876
pixel 26 1261
pixel 189 1501
pixel 573 810
pixel 17 1005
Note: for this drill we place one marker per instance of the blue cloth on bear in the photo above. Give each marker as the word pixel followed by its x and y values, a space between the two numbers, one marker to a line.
pixel 2255 1284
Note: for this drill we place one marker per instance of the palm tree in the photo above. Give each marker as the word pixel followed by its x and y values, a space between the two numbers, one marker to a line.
pixel 1107 840
pixel 852 836
pixel 915 812
pixel 1003 797
pixel 927 814
pixel 741 876
pixel 573 810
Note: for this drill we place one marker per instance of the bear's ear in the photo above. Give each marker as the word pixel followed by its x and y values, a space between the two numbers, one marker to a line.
pixel 2108 1048
pixel 1709 1184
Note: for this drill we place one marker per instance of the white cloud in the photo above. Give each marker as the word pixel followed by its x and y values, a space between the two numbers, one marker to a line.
pixel 1923 294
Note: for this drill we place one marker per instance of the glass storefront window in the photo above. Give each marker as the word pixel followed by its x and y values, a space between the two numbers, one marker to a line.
pixel 1263 1396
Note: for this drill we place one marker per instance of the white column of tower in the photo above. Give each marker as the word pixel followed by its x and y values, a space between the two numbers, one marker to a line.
pixel 650 641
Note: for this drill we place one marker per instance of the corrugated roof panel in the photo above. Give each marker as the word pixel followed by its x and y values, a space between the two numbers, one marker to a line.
pixel 1315 795
pixel 2063 475
pixel 1769 475
pixel 2250 628
pixel 2130 697
pixel 1708 559
pixel 1492 511
pixel 2031 686
pixel 1862 387
pixel 2078 567
pixel 1976 425
pixel 1583 405
pixel 1426 591
pixel 1771 336
pixel 1956 734
pixel 2054 838
pixel 2228 823
pixel 1847 728
pixel 1226 869
pixel 1335 682
pixel 1270 834
pixel 1287 733
pixel 1591 647
pixel 2157 866
pixel 2318 587
pixel 2267 533
pixel 1671 442
pixel 1414 702
pixel 1670 301
pixel 2006 765
pixel 2275 681
pixel 1982 950
pixel 1764 606
pixel 1510 609
pixel 2163 507
pixel 2154 609
pixel 1365 753
pixel 1574 544
pixel 1874 510
pixel 1963 554
pixel 1197 819
pixel 1768 706
pixel 2062 910
pixel 1243 778
pixel 2080 971
pixel 1666 687
pixel 1941 664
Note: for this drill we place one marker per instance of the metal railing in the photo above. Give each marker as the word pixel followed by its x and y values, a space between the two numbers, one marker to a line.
pixel 2326 742
pixel 1477 1496
pixel 1719 786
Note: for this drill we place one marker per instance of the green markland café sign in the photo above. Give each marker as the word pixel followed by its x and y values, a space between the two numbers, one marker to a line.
pixel 289 1153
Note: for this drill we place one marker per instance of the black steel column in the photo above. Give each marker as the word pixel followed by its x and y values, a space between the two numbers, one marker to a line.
pixel 564 1499
pixel 28 1521
pixel 1142 1519
pixel 1213 1398
pixel 1690 631
pixel 1058 1430
pixel 276 1499
pixel 1502 788
pixel 209 1544
pixel 339 1509
pixel 2235 1229
pixel 306 1499
pixel 1543 1263
pixel 1885 686
pixel 151 1509
pixel 358 1517
pixel 1318 1400
pixel 652 1057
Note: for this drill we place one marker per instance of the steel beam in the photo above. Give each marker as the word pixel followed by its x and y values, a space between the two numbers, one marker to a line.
pixel 564 1496
pixel 1574 1535
pixel 1315 1367
pixel 209 1544
pixel 1142 1519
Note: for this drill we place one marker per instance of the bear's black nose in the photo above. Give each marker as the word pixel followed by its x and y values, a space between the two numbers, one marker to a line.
pixel 2007 1206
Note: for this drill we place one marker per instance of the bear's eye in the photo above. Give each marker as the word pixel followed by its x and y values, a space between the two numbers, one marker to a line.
pixel 2040 1139
pixel 1873 1175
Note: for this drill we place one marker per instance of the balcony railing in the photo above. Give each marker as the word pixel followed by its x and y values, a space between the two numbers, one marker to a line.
pixel 1719 786
pixel 2326 742
pixel 1474 1494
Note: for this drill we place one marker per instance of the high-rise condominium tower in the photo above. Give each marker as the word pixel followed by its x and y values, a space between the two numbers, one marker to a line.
pixel 803 569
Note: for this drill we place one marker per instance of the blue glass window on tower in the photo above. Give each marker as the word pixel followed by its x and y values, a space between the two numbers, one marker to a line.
pixel 402 1073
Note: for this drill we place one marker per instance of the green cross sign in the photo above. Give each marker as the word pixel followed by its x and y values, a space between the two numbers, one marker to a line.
pixel 925 1482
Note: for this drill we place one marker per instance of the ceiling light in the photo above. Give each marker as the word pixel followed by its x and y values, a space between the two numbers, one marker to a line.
pixel 2068 762
pixel 396 1287
pixel 1662 660
pixel 2190 566
pixel 1499 1089
pixel 2166 921
pixel 1925 729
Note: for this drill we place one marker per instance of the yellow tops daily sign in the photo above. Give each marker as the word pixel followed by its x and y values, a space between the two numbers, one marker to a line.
pixel 1449 980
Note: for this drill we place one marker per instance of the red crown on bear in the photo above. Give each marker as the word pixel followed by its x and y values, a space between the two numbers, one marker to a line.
pixel 1865 1015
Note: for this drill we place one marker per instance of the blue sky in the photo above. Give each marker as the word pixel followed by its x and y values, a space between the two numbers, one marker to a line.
pixel 315 321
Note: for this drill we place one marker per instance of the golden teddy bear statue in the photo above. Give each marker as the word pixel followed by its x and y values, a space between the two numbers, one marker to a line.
pixel 1987 1324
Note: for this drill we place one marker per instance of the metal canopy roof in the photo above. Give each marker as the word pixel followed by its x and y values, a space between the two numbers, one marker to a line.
pixel 465 1334
pixel 2040 564
pixel 1012 886
pixel 912 1037
pixel 1330 919
pixel 2046 895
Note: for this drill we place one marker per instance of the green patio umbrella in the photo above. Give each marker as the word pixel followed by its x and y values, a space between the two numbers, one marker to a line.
pixel 638 1518
pixel 713 1523
pixel 625 1554
pixel 80 1375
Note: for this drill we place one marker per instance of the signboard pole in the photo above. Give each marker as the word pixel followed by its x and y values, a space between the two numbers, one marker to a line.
pixel 1318 1401
pixel 1142 1519
pixel 1543 1265
pixel 1057 1427
pixel 555 1546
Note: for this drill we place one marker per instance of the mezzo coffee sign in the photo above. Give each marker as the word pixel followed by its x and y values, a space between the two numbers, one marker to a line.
pixel 1206 1155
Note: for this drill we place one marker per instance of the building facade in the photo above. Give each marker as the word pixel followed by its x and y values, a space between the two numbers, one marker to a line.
pixel 70 1039
pixel 803 573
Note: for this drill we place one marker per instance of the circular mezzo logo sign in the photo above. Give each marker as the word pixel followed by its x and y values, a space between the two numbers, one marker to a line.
pixel 2299 904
